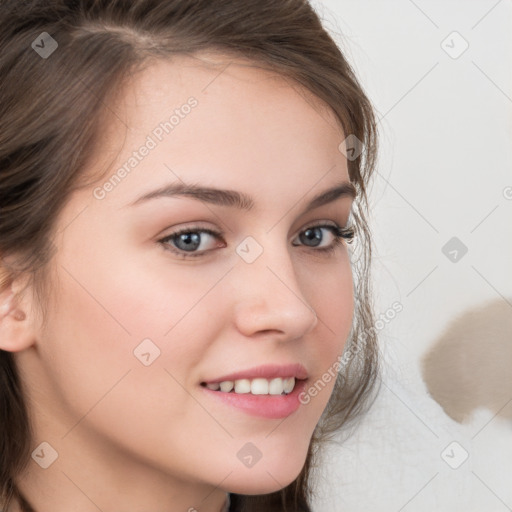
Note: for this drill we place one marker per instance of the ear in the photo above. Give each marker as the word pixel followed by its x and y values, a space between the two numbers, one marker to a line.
pixel 16 332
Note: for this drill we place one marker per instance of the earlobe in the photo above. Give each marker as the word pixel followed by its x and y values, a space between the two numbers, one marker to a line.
pixel 15 332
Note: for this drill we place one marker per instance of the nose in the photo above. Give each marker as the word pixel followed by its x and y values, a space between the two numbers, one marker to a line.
pixel 269 298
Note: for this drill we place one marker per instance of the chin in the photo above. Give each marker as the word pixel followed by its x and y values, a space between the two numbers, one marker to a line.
pixel 266 479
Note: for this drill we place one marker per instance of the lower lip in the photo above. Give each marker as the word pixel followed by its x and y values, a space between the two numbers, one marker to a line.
pixel 265 406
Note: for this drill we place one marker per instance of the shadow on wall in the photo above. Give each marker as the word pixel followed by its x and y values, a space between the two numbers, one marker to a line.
pixel 470 365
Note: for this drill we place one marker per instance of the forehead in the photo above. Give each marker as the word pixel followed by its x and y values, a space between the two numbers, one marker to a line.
pixel 213 75
pixel 244 118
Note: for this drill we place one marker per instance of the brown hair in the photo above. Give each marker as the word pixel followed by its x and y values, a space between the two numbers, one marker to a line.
pixel 52 108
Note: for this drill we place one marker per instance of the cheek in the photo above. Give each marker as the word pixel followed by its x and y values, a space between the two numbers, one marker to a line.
pixel 88 346
pixel 112 311
pixel 333 299
pixel 332 296
pixel 96 380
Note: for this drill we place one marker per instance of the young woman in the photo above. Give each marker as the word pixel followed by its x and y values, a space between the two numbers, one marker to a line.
pixel 178 183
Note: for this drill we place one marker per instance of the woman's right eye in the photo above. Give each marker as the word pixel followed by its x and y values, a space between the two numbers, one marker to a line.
pixel 186 242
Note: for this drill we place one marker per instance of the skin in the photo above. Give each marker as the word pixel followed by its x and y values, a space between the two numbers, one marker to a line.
pixel 146 438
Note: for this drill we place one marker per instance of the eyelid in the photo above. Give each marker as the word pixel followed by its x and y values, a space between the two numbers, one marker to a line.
pixel 214 232
pixel 193 228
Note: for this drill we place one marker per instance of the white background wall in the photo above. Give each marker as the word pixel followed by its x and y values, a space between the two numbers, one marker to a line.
pixel 445 162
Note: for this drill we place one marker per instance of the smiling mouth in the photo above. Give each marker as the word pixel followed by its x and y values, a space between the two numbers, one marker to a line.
pixel 257 386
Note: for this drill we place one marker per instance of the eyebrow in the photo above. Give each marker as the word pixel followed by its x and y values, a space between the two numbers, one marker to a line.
pixel 239 200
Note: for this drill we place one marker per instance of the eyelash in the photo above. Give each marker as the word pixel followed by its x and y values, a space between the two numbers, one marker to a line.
pixel 339 233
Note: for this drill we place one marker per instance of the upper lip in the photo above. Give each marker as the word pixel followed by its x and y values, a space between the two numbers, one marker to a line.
pixel 267 371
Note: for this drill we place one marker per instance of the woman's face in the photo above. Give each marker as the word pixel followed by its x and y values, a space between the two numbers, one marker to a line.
pixel 142 317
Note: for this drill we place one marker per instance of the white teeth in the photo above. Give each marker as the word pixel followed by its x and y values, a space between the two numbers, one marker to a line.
pixel 227 386
pixel 242 386
pixel 258 386
pixel 288 385
pixel 275 386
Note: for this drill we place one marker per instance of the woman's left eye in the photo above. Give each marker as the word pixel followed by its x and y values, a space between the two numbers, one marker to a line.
pixel 186 242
